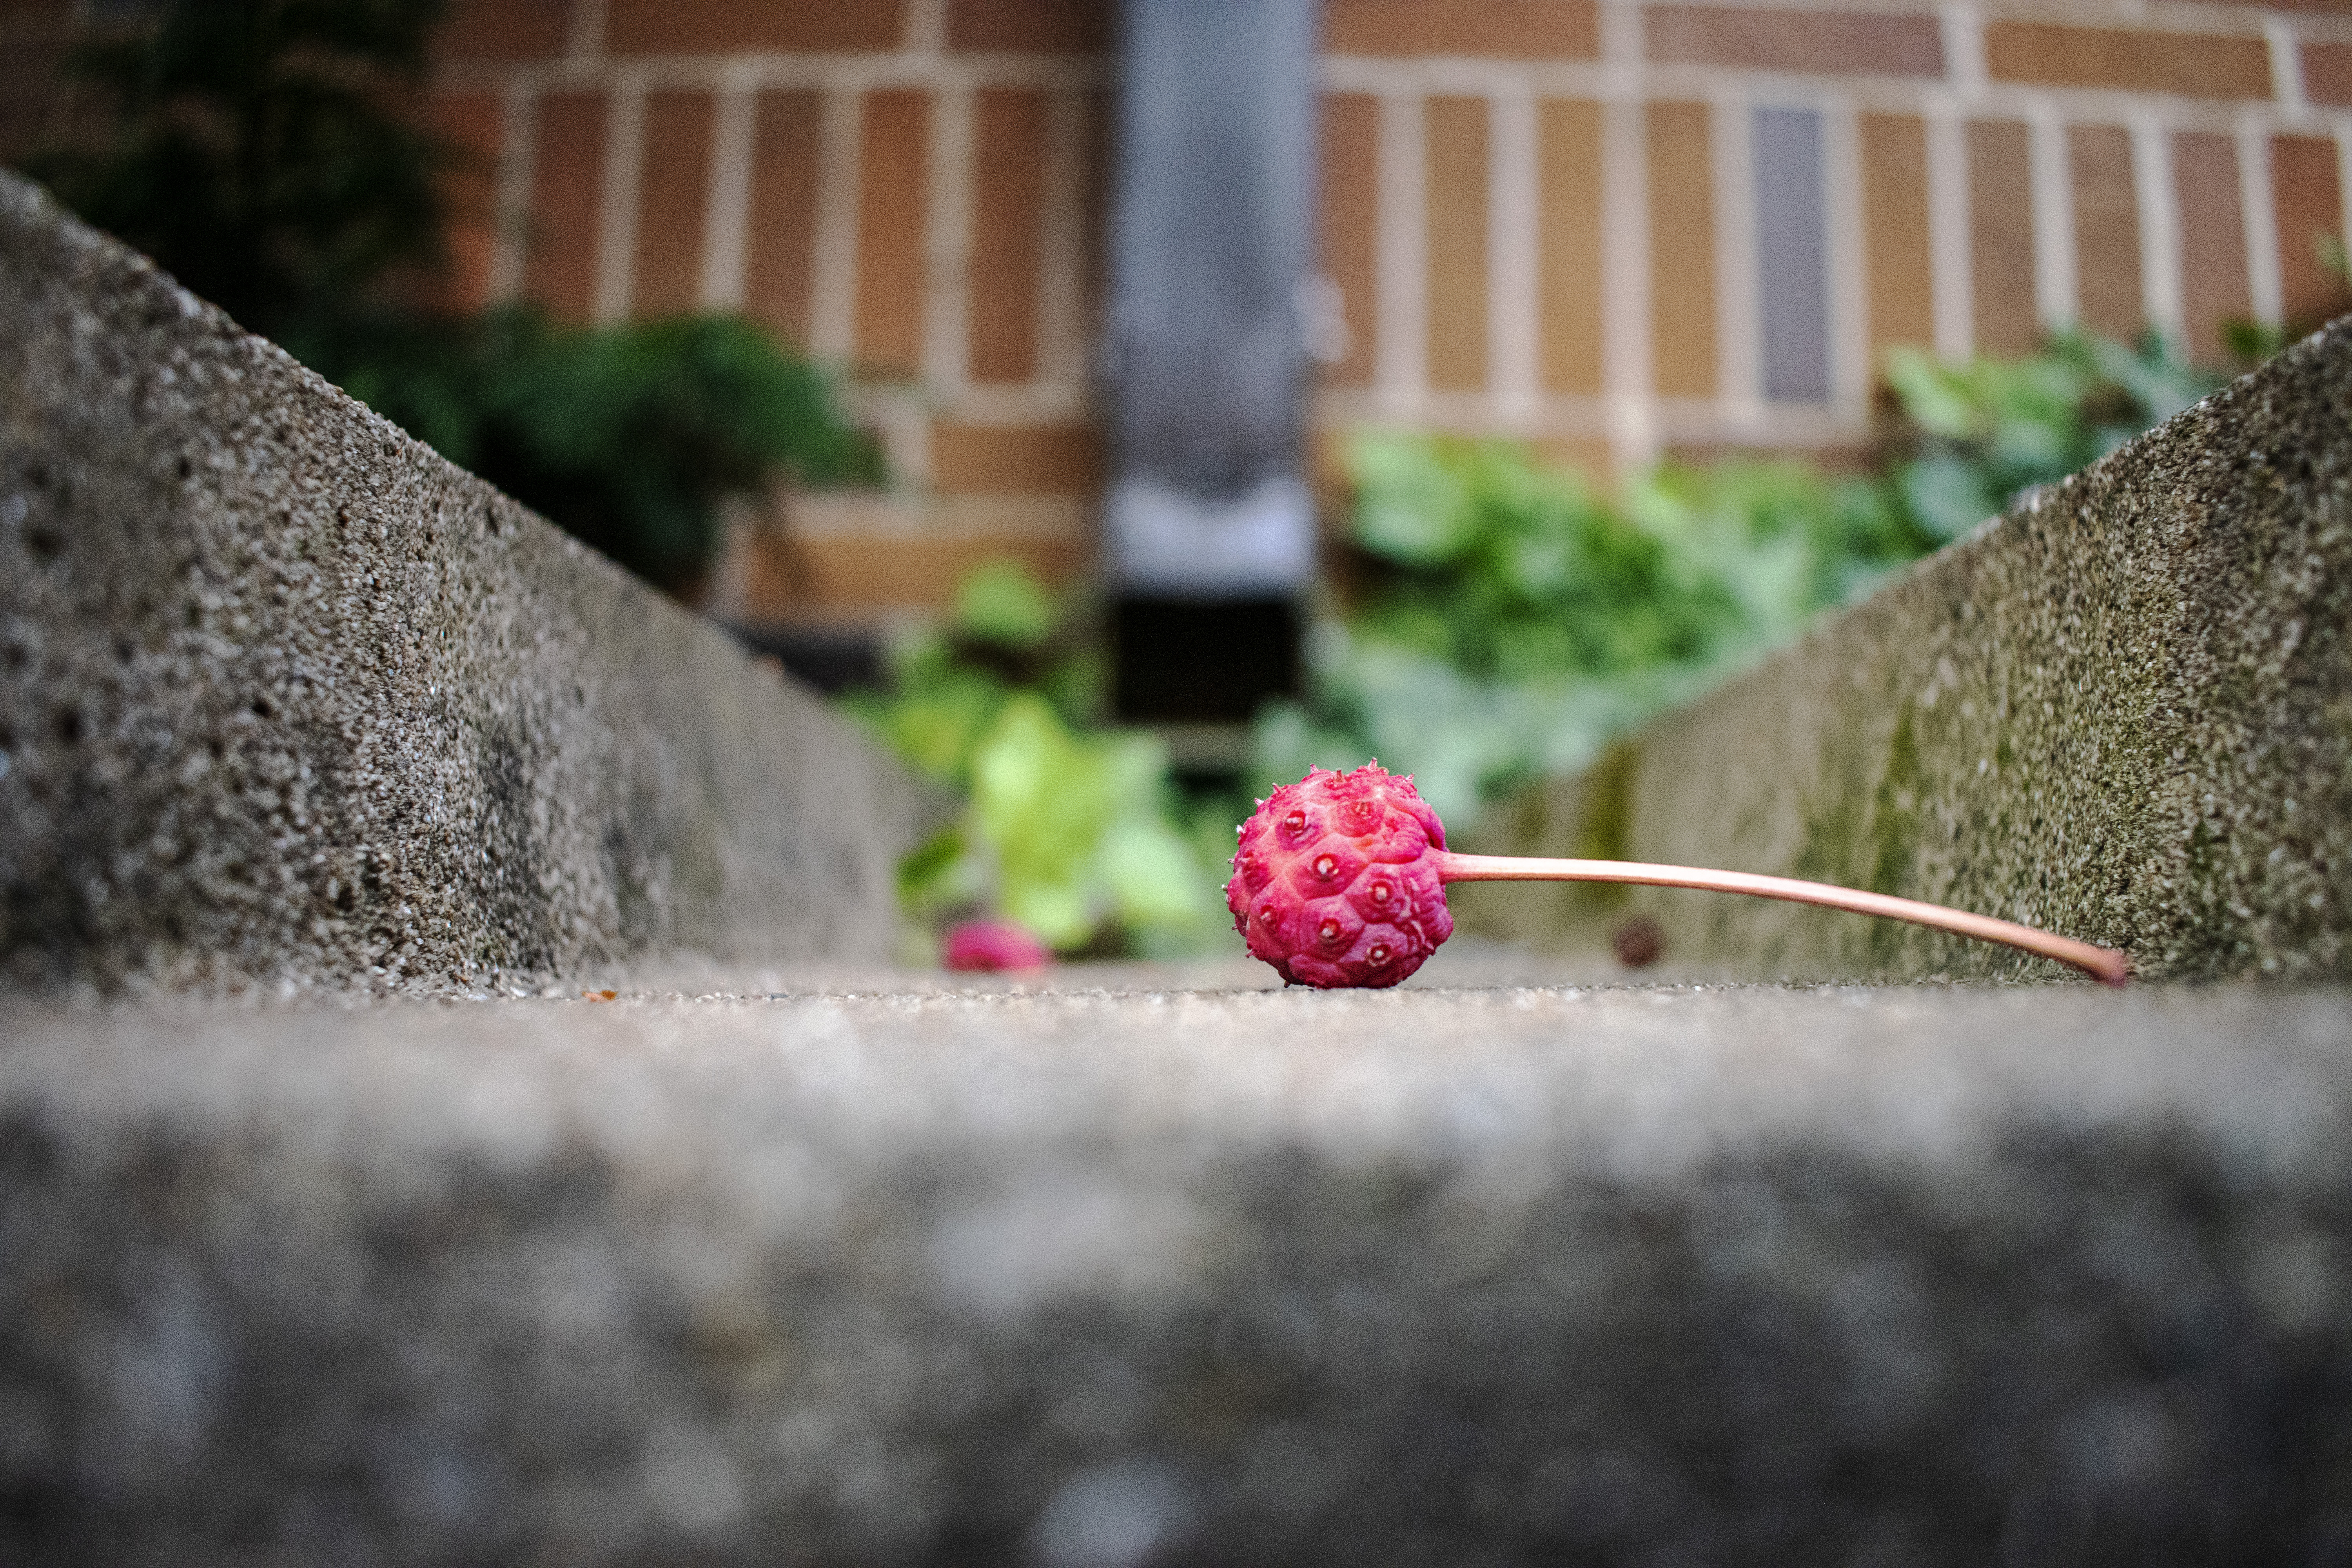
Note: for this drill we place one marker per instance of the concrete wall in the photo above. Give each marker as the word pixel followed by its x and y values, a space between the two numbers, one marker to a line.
pixel 285 698
pixel 2123 711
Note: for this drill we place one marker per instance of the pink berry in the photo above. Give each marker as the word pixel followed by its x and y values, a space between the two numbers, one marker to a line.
pixel 1334 882
pixel 989 945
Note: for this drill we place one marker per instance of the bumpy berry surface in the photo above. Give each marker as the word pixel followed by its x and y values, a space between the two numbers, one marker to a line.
pixel 1334 882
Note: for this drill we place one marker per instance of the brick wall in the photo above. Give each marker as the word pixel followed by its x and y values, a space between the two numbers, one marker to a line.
pixel 1613 229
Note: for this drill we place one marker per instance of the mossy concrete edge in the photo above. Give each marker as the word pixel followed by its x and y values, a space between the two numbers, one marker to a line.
pixel 2122 712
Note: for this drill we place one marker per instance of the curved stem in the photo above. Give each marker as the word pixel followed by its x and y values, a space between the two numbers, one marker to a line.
pixel 2103 963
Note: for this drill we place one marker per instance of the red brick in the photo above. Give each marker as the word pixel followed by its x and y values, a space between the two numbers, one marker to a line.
pixel 1456 217
pixel 2189 65
pixel 470 123
pixel 568 166
pixel 892 187
pixel 1351 228
pixel 2107 230
pixel 1812 42
pixel 2212 240
pixel 1030 27
pixel 1900 255
pixel 2310 211
pixel 672 191
pixel 1045 459
pixel 1682 251
pixel 2327 73
pixel 2000 237
pixel 1497 29
pixel 1568 219
pixel 780 258
pixel 1008 201
pixel 503 30
pixel 697 27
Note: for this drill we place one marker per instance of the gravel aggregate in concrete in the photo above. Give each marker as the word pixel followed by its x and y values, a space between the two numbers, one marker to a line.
pixel 287 702
pixel 860 1272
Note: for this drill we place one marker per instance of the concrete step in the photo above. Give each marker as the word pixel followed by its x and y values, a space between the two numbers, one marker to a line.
pixel 286 700
pixel 1070 1277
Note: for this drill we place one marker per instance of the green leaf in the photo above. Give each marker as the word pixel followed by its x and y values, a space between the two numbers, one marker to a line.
pixel 1001 601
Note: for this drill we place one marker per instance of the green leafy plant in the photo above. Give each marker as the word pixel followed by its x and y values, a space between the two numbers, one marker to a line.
pixel 1069 828
pixel 265 152
pixel 1506 622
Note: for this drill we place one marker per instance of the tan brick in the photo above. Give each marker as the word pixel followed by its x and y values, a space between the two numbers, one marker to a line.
pixel 1682 251
pixel 2107 230
pixel 2327 73
pixel 1899 255
pixel 470 123
pixel 1008 198
pixel 2000 237
pixel 1030 27
pixel 2213 287
pixel 2189 65
pixel 1015 459
pixel 835 576
pixel 503 30
pixel 780 252
pixel 1495 29
pixel 671 194
pixel 568 164
pixel 1568 220
pixel 1589 458
pixel 892 184
pixel 2310 211
pixel 1351 228
pixel 1812 42
pixel 697 27
pixel 1456 131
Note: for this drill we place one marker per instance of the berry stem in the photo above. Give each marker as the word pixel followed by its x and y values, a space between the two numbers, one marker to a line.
pixel 2103 963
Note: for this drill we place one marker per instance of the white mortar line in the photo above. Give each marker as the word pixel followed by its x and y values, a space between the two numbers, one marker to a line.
pixel 926 26
pixel 2342 131
pixel 510 204
pixel 1962 30
pixel 617 194
pixel 947 245
pixel 1948 248
pixel 2056 296
pixel 584 31
pixel 1852 374
pixel 833 270
pixel 726 206
pixel 2286 64
pixel 1739 273
pixel 2158 200
pixel 1401 370
pixel 1601 80
pixel 1513 317
pixel 1625 285
pixel 2261 222
pixel 1061 245
pixel 1627 363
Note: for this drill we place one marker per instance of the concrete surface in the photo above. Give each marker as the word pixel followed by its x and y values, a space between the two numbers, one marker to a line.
pixel 2123 711
pixel 286 700
pixel 1923 1276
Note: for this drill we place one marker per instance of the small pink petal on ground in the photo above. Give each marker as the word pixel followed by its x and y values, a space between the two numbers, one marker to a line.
pixel 987 947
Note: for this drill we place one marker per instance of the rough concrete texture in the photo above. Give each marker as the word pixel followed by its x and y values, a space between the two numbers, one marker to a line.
pixel 2123 711
pixel 285 698
pixel 1907 1277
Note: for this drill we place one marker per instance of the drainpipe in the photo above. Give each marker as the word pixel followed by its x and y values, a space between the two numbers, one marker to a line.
pixel 1209 526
